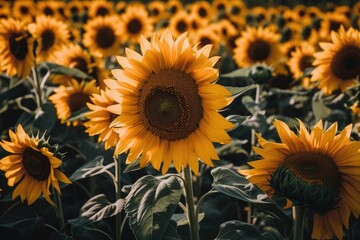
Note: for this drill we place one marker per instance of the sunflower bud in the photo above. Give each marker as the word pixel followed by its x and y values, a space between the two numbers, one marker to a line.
pixel 260 73
pixel 320 197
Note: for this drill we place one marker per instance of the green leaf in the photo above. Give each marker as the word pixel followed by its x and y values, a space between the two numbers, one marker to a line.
pixel 232 184
pixel 133 166
pixel 236 230
pixel 47 119
pixel 181 218
pixel 150 205
pixel 79 114
pixel 319 109
pixel 22 223
pixel 92 168
pixel 242 72
pixel 237 91
pixel 59 69
pixel 237 120
pixel 171 232
pixel 98 208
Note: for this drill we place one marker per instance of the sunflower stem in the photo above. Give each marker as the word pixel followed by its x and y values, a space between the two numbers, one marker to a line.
pixel 257 99
pixel 38 90
pixel 190 205
pixel 299 213
pixel 59 210
pixel 118 194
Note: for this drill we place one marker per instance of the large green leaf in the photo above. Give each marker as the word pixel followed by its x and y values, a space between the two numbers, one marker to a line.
pixel 319 109
pixel 59 69
pixel 242 72
pixel 92 168
pixel 150 205
pixel 98 207
pixel 235 185
pixel 171 232
pixel 22 223
pixel 237 91
pixel 236 230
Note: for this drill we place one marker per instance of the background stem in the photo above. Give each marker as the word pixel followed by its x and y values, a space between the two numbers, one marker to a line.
pixel 59 210
pixel 118 194
pixel 190 205
pixel 299 213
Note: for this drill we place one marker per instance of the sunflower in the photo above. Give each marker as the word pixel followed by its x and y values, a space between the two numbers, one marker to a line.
pixel 101 8
pixel 157 10
pixel 100 119
pixel 24 10
pixel 120 7
pixel 202 9
pixel 4 13
pixel 51 34
pixel 103 36
pixel 300 60
pixel 47 8
pixel 179 23
pixel 74 56
pixel 195 23
pixel 332 22
pixel 338 65
pixel 220 6
pixel 259 14
pixel 31 165
pixel 16 48
pixel 207 36
pixel 135 22
pixel 168 104
pixel 257 45
pixel 236 9
pixel 317 169
pixel 314 12
pixel 174 6
pixel 356 8
pixel 69 99
pixel 74 8
pixel 224 29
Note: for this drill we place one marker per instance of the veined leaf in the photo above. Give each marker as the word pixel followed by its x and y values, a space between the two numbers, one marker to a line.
pixel 151 204
pixel 92 168
pixel 232 184
pixel 98 207
pixel 59 69
pixel 237 230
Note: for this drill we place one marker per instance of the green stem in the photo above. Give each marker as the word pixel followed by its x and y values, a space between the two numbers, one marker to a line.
pixel 190 205
pixel 38 90
pixel 59 210
pixel 299 213
pixel 118 194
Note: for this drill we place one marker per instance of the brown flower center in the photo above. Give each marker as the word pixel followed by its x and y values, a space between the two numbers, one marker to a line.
pixel 134 26
pixel 48 11
pixel 334 26
pixel 346 63
pixel 18 45
pixel 79 63
pixel 305 62
pixel 205 41
pixel 202 12
pixel 36 164
pixel 220 7
pixel 259 50
pixel 170 105
pixel 47 40
pixel 181 26
pixel 24 10
pixel 313 168
pixel 102 11
pixel 105 37
pixel 77 101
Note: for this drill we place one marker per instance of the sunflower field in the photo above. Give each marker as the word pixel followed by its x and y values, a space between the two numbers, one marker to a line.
pixel 179 120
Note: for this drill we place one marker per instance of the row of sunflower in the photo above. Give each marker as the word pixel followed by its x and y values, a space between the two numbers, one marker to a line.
pixel 144 99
